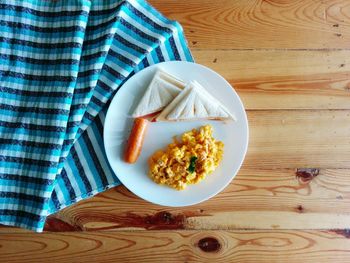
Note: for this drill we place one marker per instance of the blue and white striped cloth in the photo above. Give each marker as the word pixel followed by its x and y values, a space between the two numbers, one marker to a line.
pixel 61 63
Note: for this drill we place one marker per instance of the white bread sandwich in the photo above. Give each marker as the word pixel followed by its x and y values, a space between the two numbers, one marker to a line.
pixel 160 92
pixel 194 103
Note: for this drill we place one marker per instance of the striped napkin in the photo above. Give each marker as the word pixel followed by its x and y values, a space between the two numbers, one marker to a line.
pixel 61 63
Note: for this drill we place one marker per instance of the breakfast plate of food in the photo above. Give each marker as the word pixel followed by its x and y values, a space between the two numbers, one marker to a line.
pixel 176 133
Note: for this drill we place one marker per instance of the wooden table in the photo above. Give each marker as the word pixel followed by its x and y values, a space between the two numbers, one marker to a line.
pixel 290 62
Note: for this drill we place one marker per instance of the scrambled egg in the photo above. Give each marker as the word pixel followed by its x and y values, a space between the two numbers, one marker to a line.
pixel 187 161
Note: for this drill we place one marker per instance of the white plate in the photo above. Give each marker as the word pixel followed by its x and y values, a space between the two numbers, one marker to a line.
pixel 118 124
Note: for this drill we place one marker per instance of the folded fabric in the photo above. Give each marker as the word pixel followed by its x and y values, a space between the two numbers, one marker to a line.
pixel 62 62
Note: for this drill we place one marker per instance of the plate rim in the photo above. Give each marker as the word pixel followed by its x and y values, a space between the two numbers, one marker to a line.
pixel 246 144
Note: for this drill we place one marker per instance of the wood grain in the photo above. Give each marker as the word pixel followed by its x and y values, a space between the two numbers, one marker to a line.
pixel 279 198
pixel 178 246
pixel 275 79
pixel 256 24
pixel 292 139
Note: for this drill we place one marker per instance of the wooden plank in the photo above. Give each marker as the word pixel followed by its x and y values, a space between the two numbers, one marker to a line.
pixel 253 24
pixel 280 199
pixel 178 246
pixel 275 79
pixel 285 199
pixel 291 139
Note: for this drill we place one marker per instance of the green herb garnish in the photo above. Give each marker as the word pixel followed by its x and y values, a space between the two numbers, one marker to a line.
pixel 192 166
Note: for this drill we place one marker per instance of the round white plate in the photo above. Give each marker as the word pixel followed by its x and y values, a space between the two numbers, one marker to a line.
pixel 118 124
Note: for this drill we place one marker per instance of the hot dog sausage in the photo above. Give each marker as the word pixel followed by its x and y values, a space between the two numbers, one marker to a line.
pixel 135 141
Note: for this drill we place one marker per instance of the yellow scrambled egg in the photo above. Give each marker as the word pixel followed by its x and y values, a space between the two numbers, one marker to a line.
pixel 187 161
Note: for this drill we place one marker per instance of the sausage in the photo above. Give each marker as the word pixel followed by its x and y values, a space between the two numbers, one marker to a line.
pixel 135 141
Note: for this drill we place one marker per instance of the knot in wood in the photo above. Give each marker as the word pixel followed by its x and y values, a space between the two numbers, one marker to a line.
pixel 209 244
pixel 305 175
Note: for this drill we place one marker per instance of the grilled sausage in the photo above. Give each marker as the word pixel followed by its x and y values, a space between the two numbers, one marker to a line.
pixel 135 141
